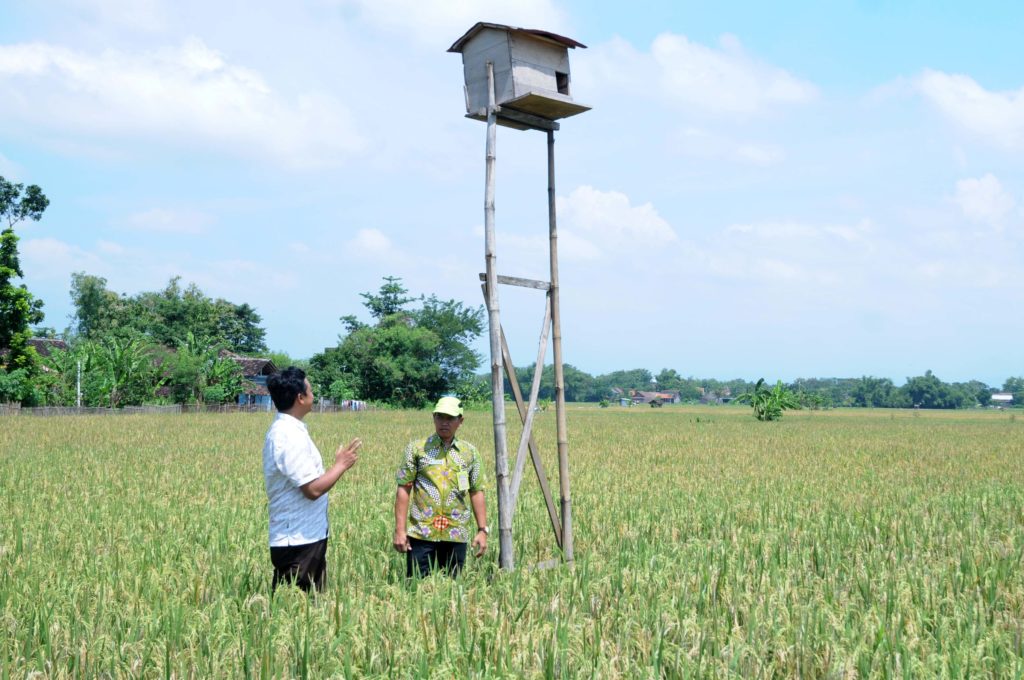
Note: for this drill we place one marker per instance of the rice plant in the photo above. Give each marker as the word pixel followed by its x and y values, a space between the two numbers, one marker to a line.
pixel 831 544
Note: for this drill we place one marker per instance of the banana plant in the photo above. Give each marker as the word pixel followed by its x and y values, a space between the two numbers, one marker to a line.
pixel 769 403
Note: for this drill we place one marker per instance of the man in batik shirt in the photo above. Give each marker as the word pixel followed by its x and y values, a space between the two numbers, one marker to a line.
pixel 441 475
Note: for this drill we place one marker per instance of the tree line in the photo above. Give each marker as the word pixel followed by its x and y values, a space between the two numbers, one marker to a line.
pixel 925 391
pixel 174 346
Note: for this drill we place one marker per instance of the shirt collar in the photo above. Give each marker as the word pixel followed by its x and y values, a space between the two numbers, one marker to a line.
pixel 291 420
pixel 435 439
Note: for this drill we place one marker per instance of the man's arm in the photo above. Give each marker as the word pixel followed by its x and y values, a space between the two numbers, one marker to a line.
pixel 344 458
pixel 476 498
pixel 401 540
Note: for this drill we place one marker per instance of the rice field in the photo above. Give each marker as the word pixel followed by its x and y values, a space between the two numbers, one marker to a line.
pixel 840 544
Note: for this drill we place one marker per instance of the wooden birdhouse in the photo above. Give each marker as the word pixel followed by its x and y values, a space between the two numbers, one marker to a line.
pixel 531 73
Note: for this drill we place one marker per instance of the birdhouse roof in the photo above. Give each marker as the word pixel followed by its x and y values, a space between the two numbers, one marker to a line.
pixel 544 35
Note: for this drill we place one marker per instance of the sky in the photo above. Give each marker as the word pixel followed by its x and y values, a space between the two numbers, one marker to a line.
pixel 780 190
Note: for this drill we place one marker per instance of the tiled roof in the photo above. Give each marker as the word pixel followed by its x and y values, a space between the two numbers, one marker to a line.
pixel 252 365
pixel 44 345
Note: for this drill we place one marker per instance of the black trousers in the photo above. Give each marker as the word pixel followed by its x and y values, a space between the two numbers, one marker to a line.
pixel 426 556
pixel 304 565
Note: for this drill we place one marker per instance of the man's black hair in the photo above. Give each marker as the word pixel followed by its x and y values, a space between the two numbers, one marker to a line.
pixel 286 386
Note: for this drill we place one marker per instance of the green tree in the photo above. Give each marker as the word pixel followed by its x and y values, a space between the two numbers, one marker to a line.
pixel 394 362
pixel 769 403
pixel 390 299
pixel 579 385
pixel 975 393
pixel 873 392
pixel 927 391
pixel 57 383
pixel 238 326
pixel 636 379
pixel 15 386
pixel 221 380
pixel 456 326
pixel 197 373
pixel 690 390
pixel 123 370
pixel 283 360
pixel 1015 386
pixel 408 356
pixel 19 309
pixel 669 379
pixel 98 311
pixel 165 317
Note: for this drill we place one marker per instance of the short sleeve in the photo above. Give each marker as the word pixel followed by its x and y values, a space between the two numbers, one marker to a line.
pixel 407 469
pixel 294 457
pixel 476 479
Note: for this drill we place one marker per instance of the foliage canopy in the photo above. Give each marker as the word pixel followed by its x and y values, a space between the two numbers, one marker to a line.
pixel 19 309
pixel 409 356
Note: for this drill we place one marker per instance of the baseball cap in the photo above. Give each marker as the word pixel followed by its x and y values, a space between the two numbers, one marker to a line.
pixel 449 406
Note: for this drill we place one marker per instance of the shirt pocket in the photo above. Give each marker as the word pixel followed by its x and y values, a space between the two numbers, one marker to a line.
pixel 423 464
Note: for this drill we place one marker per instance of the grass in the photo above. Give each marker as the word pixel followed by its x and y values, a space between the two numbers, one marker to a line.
pixel 859 543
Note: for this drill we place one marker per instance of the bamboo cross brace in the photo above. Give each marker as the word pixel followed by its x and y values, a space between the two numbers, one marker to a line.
pixel 531 411
pixel 538 466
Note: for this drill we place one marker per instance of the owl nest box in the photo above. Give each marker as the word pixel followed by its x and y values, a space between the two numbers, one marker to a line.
pixel 531 74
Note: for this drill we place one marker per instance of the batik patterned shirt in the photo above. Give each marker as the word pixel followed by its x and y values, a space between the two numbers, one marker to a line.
pixel 439 510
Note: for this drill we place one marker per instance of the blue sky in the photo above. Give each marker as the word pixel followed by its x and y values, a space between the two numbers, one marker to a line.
pixel 775 190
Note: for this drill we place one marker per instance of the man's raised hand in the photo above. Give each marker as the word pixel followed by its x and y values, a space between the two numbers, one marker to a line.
pixel 346 456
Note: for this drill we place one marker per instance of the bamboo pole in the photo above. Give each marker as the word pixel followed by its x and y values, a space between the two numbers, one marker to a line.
pixel 506 560
pixel 556 342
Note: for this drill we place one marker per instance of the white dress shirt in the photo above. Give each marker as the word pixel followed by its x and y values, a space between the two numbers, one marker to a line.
pixel 291 459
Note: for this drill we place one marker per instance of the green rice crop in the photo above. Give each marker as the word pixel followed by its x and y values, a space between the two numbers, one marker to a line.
pixel 830 544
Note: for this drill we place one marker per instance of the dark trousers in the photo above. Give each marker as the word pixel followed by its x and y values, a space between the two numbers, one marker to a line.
pixel 303 565
pixel 426 556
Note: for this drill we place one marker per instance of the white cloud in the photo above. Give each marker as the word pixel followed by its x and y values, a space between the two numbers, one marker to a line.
pixel 432 22
pixel 53 259
pixel 146 15
pixel 597 223
pixel 9 169
pixel 169 221
pixel 593 225
pixel 995 116
pixel 693 76
pixel 789 251
pixel 984 200
pixel 110 248
pixel 372 243
pixel 699 143
pixel 187 93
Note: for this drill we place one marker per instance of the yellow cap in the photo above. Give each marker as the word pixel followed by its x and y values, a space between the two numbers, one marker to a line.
pixel 450 406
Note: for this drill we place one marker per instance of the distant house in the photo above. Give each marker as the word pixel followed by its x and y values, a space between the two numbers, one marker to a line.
pixel 712 397
pixel 255 372
pixel 1002 399
pixel 43 346
pixel 663 397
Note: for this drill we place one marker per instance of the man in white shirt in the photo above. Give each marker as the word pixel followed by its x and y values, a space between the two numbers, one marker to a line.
pixel 297 484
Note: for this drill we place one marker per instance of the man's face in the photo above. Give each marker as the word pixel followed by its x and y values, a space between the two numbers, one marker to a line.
pixel 446 425
pixel 305 400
